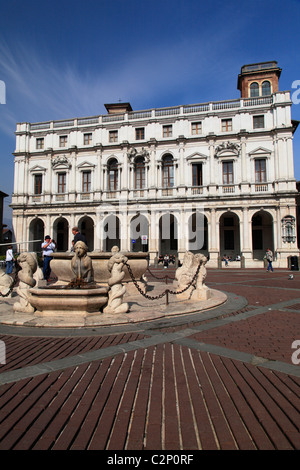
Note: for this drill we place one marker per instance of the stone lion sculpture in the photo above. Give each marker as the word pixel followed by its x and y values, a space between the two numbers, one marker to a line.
pixel 28 265
pixel 6 281
pixel 185 274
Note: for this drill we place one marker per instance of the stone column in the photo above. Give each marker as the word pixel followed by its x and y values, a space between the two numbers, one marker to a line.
pixel 213 241
pixel 246 235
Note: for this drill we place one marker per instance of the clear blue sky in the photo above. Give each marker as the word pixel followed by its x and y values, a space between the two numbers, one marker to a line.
pixel 64 59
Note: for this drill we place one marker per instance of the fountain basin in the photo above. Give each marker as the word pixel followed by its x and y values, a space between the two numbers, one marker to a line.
pixel 61 301
pixel 61 266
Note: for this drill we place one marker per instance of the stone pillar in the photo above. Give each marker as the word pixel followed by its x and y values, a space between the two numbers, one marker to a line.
pixel 246 236
pixel 153 245
pixel 213 241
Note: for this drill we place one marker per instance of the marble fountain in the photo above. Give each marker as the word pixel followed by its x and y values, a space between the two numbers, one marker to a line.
pixel 96 289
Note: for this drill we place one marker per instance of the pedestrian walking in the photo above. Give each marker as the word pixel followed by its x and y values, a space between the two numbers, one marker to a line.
pixel 48 247
pixel 9 258
pixel 269 258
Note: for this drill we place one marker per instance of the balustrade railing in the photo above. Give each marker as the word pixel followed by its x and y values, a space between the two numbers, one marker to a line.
pixel 160 112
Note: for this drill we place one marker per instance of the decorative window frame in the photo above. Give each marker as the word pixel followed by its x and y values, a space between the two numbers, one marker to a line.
pixel 85 166
pixel 61 164
pixel 37 170
pixel 288 228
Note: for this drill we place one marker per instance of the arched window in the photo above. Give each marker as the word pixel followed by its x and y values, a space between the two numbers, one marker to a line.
pixel 254 90
pixel 266 88
pixel 167 171
pixel 112 171
pixel 139 169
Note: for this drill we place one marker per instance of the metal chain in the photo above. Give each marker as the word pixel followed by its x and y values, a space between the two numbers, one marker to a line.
pixel 167 291
pixel 160 278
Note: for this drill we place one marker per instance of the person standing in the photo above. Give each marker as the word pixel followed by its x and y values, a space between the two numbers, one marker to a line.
pixel 48 247
pixel 9 258
pixel 269 258
pixel 78 236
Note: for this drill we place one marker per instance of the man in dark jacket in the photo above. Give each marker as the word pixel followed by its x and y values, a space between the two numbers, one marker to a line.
pixel 78 236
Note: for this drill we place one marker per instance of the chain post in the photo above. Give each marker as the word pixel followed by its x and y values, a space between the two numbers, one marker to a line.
pixel 167 296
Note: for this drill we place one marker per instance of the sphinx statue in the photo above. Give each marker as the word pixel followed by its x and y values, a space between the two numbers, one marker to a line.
pixel 117 291
pixel 28 264
pixel 81 265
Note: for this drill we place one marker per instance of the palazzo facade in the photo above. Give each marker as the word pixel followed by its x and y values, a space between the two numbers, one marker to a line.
pixel 216 178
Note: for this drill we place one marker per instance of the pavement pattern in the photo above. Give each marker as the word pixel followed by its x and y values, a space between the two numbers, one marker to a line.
pixel 224 379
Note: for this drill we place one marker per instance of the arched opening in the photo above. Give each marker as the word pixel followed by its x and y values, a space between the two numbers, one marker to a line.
pixel 168 235
pixel 230 235
pixel 139 233
pixel 36 232
pixel 86 227
pixel 111 235
pixel 198 233
pixel 61 234
pixel 262 234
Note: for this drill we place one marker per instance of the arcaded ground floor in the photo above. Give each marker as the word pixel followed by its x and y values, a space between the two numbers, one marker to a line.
pixel 244 232
pixel 225 379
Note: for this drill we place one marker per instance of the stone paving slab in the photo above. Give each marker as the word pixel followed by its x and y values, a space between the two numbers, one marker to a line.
pixel 216 380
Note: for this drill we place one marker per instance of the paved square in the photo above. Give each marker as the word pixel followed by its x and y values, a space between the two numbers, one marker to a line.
pixel 221 379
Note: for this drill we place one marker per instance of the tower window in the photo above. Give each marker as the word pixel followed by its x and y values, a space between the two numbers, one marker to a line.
pixel 266 88
pixel 254 90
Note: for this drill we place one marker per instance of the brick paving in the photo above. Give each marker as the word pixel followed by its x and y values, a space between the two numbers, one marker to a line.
pixel 224 382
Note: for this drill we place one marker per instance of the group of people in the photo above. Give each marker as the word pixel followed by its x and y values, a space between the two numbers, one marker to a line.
pixel 49 245
pixel 230 258
pixel 166 260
